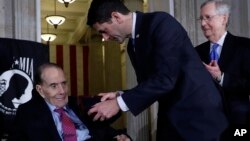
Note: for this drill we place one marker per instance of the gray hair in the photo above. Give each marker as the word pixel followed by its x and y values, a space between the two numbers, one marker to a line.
pixel 222 8
pixel 41 68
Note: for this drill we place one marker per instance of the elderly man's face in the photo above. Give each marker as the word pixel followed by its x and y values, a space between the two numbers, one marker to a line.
pixel 213 25
pixel 54 88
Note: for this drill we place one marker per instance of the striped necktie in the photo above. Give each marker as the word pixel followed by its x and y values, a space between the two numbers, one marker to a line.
pixel 214 54
pixel 68 127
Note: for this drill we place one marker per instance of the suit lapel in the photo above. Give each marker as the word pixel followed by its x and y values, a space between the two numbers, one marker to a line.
pixel 204 51
pixel 138 24
pixel 226 52
pixel 48 122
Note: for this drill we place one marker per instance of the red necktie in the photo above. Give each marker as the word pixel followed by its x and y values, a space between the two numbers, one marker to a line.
pixel 68 127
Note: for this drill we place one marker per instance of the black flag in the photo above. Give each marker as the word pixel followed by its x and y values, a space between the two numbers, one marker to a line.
pixel 18 62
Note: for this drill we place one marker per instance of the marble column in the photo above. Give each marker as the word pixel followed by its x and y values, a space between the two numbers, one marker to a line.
pixel 20 19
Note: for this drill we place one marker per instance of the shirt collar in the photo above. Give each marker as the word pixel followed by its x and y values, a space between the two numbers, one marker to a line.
pixel 221 40
pixel 52 107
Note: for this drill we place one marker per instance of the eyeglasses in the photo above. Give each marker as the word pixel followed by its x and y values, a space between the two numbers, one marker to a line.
pixel 206 18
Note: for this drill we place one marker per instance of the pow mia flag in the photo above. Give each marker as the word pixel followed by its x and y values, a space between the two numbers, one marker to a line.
pixel 18 62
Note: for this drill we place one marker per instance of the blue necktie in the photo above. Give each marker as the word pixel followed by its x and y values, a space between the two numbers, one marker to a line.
pixel 214 54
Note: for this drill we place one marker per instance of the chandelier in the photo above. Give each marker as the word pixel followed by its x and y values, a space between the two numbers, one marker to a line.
pixel 66 2
pixel 48 37
pixel 55 19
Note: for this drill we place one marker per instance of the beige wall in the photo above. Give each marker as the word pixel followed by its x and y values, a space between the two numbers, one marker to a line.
pixel 19 19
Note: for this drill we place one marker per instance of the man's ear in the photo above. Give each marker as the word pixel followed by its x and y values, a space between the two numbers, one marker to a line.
pixel 225 19
pixel 40 91
pixel 117 17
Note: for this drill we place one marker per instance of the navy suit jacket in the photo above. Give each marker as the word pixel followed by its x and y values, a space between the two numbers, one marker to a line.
pixel 169 71
pixel 234 62
pixel 34 122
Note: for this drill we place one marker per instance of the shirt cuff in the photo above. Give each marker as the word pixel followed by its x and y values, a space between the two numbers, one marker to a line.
pixel 222 78
pixel 122 104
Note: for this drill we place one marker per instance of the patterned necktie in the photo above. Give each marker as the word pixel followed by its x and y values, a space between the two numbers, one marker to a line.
pixel 214 54
pixel 68 127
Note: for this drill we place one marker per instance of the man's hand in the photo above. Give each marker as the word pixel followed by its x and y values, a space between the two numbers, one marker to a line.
pixel 122 137
pixel 214 69
pixel 109 95
pixel 104 110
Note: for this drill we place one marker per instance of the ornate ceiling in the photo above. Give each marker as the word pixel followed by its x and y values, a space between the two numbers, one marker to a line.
pixel 74 28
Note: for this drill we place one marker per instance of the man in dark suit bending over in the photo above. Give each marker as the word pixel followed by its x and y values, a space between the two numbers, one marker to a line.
pixel 168 70
pixel 50 116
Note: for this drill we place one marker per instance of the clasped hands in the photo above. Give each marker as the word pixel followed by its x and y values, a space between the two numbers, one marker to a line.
pixel 214 69
pixel 107 108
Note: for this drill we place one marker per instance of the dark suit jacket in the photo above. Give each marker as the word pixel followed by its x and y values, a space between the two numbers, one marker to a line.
pixel 169 71
pixel 34 122
pixel 234 61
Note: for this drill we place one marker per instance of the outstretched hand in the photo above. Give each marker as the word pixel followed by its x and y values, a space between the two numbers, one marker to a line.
pixel 104 110
pixel 109 95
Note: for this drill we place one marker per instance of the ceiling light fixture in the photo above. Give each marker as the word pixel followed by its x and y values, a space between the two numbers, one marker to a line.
pixel 55 20
pixel 48 37
pixel 66 2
